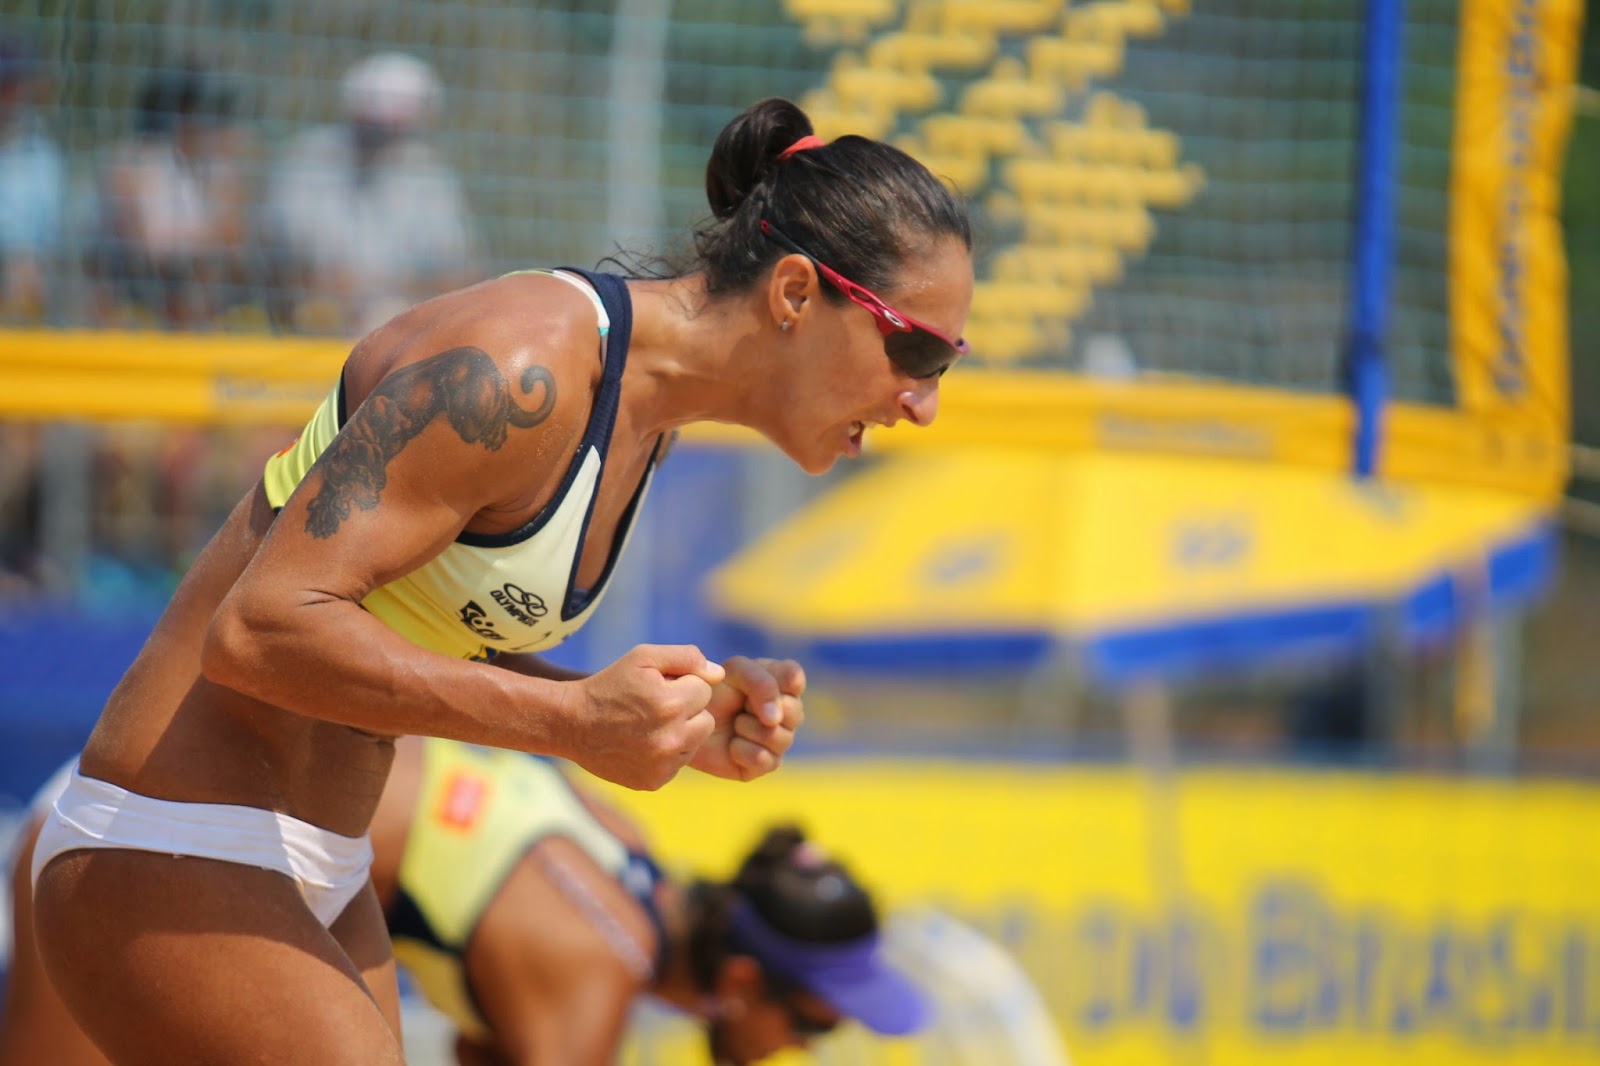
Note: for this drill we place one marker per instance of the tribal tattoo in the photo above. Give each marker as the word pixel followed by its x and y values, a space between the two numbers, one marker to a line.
pixel 463 384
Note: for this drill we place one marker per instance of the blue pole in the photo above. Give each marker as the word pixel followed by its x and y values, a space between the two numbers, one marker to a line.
pixel 1372 259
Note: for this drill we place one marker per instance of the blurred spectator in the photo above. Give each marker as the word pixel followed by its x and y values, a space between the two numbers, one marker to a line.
pixel 174 204
pixel 365 216
pixel 32 186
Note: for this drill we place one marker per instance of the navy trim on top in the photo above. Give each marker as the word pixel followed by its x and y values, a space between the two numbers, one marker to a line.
pixel 613 293
pixel 579 599
pixel 644 893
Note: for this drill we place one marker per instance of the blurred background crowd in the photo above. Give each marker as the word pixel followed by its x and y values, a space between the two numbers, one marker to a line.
pixel 181 221
pixel 1167 194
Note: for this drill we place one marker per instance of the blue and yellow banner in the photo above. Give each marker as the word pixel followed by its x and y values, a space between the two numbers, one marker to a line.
pixel 1508 283
pixel 1225 916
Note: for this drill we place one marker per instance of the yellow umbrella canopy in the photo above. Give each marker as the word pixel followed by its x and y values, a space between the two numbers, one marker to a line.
pixel 1148 562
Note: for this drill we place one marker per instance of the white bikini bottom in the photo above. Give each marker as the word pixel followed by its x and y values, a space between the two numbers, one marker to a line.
pixel 328 868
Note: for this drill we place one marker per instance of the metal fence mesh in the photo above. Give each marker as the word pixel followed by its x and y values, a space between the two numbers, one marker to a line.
pixel 1161 186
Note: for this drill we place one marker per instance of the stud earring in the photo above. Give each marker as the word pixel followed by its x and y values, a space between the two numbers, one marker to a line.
pixel 784 325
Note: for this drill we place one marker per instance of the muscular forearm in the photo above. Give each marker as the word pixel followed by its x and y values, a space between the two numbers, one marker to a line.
pixel 529 665
pixel 331 660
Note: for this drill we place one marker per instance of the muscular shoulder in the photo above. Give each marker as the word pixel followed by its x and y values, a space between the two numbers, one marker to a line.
pixel 519 323
pixel 494 360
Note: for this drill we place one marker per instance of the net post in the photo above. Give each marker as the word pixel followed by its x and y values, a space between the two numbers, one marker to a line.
pixel 1372 252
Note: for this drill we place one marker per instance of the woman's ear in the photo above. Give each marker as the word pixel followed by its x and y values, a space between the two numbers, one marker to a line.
pixel 793 281
pixel 741 979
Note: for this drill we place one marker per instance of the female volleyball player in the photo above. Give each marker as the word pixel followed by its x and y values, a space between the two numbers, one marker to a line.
pixel 533 916
pixel 201 885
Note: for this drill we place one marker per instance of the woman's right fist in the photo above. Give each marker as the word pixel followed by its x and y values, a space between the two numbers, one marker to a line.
pixel 641 719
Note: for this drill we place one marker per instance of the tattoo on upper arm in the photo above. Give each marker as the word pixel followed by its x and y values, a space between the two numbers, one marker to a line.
pixel 462 384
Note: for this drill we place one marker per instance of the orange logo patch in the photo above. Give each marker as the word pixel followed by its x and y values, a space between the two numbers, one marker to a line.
pixel 462 800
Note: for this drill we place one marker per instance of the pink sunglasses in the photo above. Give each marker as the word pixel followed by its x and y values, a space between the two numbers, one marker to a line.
pixel 915 347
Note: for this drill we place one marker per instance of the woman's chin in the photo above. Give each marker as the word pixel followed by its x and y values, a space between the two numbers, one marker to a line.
pixel 816 465
pixel 821 455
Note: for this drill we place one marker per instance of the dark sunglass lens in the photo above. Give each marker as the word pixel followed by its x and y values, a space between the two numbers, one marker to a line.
pixel 919 353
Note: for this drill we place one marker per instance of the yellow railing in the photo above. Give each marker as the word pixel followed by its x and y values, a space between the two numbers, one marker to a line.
pixel 254 378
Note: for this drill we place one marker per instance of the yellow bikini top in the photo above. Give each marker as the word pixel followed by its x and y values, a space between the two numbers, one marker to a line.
pixel 478 812
pixel 503 592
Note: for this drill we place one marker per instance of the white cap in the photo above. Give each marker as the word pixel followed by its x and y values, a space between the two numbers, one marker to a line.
pixel 390 88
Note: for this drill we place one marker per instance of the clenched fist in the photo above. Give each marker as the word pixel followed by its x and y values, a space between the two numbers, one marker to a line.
pixel 642 718
pixel 757 709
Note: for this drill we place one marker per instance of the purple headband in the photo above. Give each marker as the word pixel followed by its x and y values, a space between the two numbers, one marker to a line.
pixel 853 975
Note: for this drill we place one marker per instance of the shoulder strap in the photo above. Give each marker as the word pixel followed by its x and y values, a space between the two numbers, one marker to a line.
pixel 619 308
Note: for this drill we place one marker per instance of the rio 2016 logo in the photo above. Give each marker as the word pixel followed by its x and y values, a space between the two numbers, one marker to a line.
pixel 1070 172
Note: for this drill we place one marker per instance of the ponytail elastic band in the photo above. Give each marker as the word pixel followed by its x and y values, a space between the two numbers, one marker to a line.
pixel 810 140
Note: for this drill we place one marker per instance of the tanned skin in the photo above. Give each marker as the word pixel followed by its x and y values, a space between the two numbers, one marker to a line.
pixel 266 684
pixel 547 980
pixel 462 384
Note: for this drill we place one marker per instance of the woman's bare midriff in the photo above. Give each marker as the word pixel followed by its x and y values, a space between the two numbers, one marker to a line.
pixel 168 733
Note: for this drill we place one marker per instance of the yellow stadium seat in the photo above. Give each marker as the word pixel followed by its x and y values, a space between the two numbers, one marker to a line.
pixel 832 119
pixel 857 85
pixel 1065 140
pixel 1132 229
pixel 1142 18
pixel 1070 141
pixel 1001 16
pixel 1109 109
pixel 1007 93
pixel 1070 226
pixel 966 134
pixel 1054 180
pixel 1065 234
pixel 965 171
pixel 1120 184
pixel 1159 149
pixel 1002 340
pixel 876 123
pixel 1106 144
pixel 1096 23
pixel 1110 146
pixel 1165 188
pixel 1060 264
pixel 925 51
pixel 871 11
pixel 1112 21
pixel 1072 62
pixel 1026 298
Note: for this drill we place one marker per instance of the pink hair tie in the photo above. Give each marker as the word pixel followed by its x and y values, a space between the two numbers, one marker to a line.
pixel 810 140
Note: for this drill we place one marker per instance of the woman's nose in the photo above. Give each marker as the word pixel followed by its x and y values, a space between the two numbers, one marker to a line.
pixel 920 406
